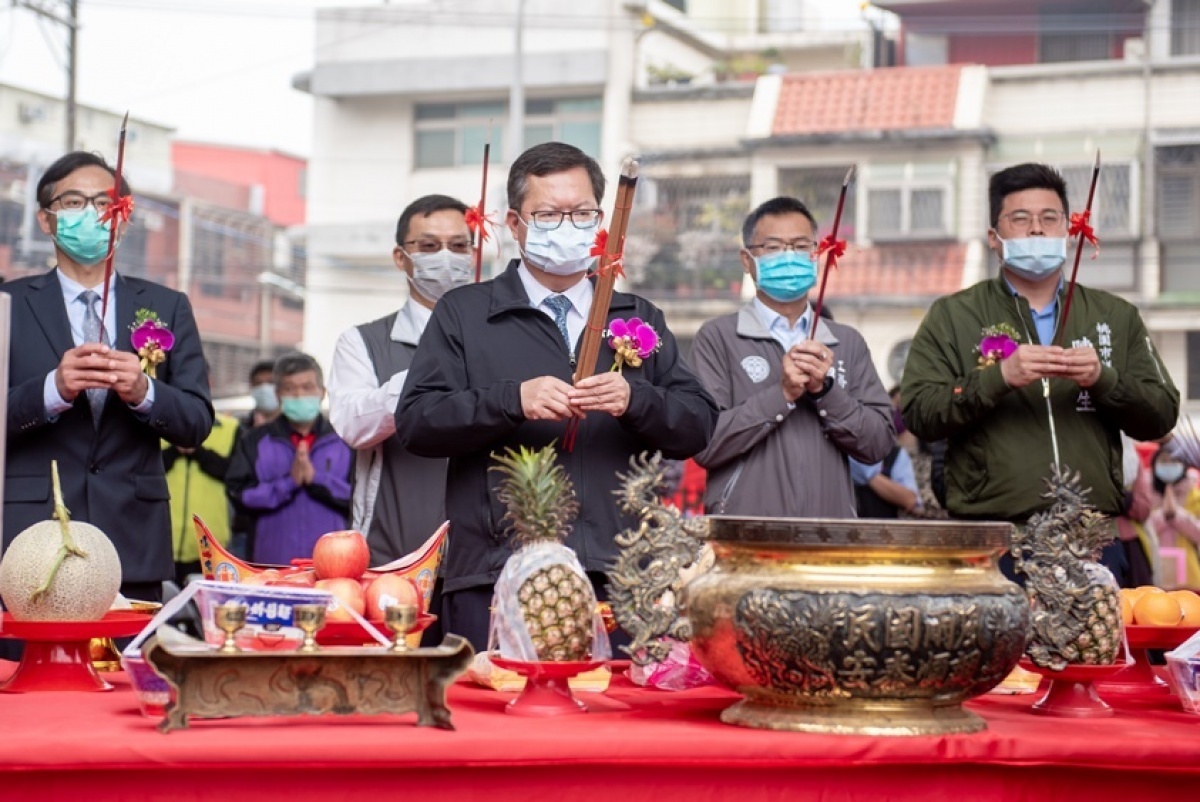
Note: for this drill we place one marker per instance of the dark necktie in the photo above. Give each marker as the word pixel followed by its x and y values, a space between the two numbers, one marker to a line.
pixel 91 334
pixel 560 305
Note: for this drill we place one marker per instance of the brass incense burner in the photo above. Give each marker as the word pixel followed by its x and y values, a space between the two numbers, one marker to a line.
pixel 879 627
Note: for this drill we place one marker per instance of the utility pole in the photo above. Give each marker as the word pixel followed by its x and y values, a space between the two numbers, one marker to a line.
pixel 516 92
pixel 49 9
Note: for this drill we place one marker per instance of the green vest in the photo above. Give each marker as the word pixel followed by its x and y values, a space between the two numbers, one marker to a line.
pixel 194 492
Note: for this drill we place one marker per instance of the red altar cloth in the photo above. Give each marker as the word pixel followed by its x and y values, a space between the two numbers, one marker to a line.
pixel 633 745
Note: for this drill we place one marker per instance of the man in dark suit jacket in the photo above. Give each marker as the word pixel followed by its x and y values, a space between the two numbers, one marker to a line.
pixel 110 462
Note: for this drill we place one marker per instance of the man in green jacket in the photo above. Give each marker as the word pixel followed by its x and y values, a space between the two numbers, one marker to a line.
pixel 985 374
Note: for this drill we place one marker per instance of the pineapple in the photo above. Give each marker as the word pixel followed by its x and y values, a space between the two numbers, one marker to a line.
pixel 1075 601
pixel 544 600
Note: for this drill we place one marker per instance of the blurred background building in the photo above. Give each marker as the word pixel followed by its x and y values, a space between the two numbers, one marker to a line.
pixel 730 103
pixel 222 223
pixel 726 102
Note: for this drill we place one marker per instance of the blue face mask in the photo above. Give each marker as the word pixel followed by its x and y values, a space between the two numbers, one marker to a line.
pixel 786 276
pixel 1034 258
pixel 300 410
pixel 81 235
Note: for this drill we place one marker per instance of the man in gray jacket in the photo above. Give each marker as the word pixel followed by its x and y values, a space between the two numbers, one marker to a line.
pixel 792 408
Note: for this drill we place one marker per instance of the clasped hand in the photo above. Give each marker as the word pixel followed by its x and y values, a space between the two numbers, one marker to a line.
pixel 805 366
pixel 303 471
pixel 93 366
pixel 1032 362
pixel 550 398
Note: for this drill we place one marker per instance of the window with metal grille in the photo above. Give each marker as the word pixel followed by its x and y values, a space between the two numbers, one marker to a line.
pixel 453 134
pixel 1086 33
pixel 687 233
pixel 1111 208
pixel 1185 27
pixel 909 201
pixel 1178 192
pixel 818 188
pixel 1193 365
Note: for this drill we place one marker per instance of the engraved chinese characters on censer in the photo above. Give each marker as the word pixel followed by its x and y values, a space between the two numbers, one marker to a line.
pixel 880 627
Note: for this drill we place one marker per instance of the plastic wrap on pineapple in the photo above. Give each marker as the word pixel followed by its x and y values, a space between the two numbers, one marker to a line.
pixel 1075 601
pixel 544 608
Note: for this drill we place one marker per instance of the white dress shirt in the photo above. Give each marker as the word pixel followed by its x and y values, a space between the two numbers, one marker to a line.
pixel 784 334
pixel 362 411
pixel 76 309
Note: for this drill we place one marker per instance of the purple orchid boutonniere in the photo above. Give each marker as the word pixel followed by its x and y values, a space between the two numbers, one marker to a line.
pixel 151 339
pixel 999 343
pixel 633 342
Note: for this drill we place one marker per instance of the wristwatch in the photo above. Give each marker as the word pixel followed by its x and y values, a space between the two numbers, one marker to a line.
pixel 825 388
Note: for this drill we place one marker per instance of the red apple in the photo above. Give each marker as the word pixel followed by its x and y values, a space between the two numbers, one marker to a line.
pixel 341 554
pixel 347 595
pixel 390 589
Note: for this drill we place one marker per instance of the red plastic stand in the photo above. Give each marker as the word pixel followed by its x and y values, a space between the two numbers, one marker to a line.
pixel 547 692
pixel 1140 678
pixel 1072 691
pixel 56 656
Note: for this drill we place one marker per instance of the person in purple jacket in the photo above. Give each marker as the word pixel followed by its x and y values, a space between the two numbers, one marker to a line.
pixel 292 474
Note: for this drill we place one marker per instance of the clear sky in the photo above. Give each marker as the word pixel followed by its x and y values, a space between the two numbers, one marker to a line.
pixel 216 70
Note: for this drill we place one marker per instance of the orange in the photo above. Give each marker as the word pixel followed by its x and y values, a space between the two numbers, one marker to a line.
pixel 1126 609
pixel 1189 602
pixel 1149 589
pixel 1157 610
pixel 1132 594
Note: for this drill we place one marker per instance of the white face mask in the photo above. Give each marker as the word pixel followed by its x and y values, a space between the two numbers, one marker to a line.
pixel 564 251
pixel 435 274
pixel 1034 258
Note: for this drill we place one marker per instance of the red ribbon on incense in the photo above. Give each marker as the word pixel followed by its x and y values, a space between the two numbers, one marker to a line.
pixel 1081 226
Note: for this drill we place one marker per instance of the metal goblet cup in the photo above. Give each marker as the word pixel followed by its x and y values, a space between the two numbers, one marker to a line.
pixel 309 618
pixel 400 619
pixel 229 617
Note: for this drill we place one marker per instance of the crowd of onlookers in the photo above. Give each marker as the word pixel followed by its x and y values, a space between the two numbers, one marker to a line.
pixel 266 486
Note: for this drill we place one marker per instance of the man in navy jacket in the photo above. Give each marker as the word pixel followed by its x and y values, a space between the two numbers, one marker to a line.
pixel 494 370
pixel 89 405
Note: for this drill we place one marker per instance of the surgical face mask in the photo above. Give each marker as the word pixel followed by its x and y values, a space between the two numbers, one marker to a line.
pixel 81 236
pixel 564 251
pixel 1169 472
pixel 786 276
pixel 300 410
pixel 435 274
pixel 264 397
pixel 1034 258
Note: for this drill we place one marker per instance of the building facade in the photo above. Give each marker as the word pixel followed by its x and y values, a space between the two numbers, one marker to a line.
pixel 726 115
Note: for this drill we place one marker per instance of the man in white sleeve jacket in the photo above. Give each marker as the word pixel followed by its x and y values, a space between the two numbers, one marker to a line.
pixel 399 498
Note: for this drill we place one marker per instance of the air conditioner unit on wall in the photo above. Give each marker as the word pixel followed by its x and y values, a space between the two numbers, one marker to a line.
pixel 32 112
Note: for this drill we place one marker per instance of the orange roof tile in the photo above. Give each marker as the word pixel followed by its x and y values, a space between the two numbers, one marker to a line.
pixel 900 270
pixel 890 99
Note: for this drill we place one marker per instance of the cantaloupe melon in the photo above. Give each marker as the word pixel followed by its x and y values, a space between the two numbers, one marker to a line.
pixel 60 570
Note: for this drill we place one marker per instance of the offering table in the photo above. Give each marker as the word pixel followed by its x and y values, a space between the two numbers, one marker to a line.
pixel 634 744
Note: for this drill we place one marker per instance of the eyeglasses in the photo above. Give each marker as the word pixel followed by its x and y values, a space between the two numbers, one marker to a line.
pixel 773 246
pixel 1021 220
pixel 580 218
pixel 73 200
pixel 462 245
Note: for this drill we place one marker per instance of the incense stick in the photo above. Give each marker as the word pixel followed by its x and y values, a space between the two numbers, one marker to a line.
pixel 835 249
